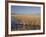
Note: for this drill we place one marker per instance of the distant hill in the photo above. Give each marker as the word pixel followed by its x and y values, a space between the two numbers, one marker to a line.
pixel 24 14
pixel 12 13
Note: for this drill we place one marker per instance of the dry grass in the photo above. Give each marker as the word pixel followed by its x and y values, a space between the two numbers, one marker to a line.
pixel 27 22
pixel 28 19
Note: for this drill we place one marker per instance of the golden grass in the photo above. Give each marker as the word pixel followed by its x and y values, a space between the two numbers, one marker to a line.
pixel 28 19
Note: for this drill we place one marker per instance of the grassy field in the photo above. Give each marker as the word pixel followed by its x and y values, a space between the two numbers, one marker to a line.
pixel 27 22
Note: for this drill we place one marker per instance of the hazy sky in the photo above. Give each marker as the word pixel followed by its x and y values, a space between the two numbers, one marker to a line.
pixel 25 9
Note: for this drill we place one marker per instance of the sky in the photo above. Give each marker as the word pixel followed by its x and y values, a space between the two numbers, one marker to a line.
pixel 25 9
